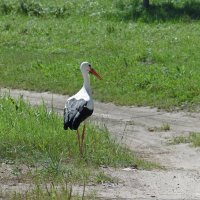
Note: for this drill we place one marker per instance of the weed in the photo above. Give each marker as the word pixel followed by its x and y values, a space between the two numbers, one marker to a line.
pixel 193 138
pixel 103 178
pixel 180 139
pixel 48 192
pixel 163 127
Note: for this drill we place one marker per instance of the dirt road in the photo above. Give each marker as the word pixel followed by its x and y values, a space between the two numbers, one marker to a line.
pixel 140 129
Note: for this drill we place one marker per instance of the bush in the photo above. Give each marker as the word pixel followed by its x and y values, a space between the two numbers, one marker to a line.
pixel 32 8
pixel 161 11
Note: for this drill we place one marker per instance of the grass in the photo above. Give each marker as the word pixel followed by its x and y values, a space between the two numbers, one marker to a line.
pixel 49 193
pixel 145 64
pixel 52 191
pixel 35 137
pixel 163 128
pixel 193 138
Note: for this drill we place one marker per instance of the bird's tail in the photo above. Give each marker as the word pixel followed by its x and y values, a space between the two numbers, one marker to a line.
pixel 65 119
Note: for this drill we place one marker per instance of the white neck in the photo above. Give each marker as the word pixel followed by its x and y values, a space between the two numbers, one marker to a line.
pixel 86 83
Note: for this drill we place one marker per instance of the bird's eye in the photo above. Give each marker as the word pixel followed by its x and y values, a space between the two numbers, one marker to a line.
pixel 89 65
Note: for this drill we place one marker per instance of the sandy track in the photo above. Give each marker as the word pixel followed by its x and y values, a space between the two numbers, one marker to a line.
pixel 130 127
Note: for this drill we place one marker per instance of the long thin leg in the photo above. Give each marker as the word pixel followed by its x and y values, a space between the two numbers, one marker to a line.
pixel 83 138
pixel 79 142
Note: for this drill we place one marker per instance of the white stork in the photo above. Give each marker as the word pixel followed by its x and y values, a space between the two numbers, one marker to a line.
pixel 80 106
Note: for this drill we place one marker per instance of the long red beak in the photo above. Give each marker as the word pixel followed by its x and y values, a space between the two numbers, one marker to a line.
pixel 92 71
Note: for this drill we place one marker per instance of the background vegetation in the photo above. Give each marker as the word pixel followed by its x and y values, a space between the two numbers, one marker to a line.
pixel 146 57
pixel 37 135
pixel 33 138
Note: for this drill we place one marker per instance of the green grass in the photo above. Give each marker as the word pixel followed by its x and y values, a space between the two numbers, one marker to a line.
pixel 193 138
pixel 35 136
pixel 153 64
pixel 52 192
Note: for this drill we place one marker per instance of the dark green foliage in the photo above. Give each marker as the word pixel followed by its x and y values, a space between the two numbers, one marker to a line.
pixel 125 10
pixel 37 9
pixel 32 8
pixel 159 10
pixel 6 7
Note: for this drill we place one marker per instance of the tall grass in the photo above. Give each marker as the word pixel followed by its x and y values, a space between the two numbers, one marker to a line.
pixel 52 192
pixel 35 136
pixel 142 63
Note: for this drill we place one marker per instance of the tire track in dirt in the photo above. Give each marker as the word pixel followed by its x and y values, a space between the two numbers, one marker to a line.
pixel 130 127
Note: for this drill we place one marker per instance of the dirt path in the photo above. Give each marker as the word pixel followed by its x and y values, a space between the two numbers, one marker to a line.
pixel 131 127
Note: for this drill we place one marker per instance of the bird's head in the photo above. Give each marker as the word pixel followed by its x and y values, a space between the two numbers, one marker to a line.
pixel 87 68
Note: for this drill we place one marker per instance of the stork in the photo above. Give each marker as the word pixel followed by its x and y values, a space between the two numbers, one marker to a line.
pixel 80 106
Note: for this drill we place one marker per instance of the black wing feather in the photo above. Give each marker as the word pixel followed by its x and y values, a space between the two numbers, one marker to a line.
pixel 75 112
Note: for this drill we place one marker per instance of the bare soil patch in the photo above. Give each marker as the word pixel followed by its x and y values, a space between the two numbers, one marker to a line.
pixel 138 128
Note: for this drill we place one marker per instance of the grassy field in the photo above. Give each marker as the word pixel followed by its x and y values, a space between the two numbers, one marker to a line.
pixel 153 63
pixel 38 136
pixel 34 137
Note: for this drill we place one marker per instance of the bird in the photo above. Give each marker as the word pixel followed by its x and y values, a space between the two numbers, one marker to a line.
pixel 80 106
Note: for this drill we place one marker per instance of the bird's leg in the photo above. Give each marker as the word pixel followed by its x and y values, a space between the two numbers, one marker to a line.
pixel 79 142
pixel 83 138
